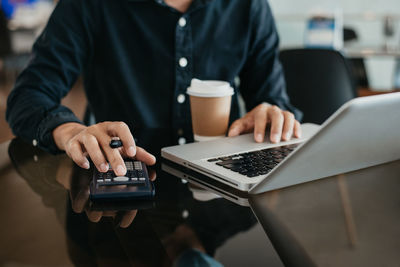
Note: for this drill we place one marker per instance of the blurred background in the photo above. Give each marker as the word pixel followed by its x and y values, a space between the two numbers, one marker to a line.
pixel 371 31
pixel 366 33
pixel 21 21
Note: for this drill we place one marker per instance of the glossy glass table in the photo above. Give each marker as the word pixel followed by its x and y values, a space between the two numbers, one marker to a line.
pixel 48 220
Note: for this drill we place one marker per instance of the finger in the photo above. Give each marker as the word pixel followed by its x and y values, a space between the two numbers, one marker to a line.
pixel 260 123
pixel 122 130
pixel 75 152
pixel 94 216
pixel 276 118
pixel 152 175
pixel 115 159
pixel 128 218
pixel 96 155
pixel 80 201
pixel 240 126
pixel 113 155
pixel 236 128
pixel 146 157
pixel 288 126
pixel 297 129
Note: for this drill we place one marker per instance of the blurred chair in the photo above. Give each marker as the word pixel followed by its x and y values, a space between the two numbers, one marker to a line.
pixel 11 63
pixel 318 81
pixel 349 34
pixel 5 43
pixel 357 65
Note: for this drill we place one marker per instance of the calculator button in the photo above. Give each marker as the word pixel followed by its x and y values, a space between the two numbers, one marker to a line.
pixel 100 180
pixel 138 165
pixel 107 180
pixel 121 179
pixel 142 179
pixel 134 179
pixel 129 165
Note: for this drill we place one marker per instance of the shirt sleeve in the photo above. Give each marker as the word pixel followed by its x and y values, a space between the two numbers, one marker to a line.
pixel 262 79
pixel 58 57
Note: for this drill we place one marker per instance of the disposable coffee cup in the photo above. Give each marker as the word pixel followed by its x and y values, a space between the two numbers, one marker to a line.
pixel 210 105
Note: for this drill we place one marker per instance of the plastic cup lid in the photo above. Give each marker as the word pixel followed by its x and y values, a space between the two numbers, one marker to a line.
pixel 209 88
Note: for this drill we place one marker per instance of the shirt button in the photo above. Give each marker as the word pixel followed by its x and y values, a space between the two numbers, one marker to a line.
pixel 182 22
pixel 185 214
pixel 181 98
pixel 183 62
pixel 182 140
pixel 34 142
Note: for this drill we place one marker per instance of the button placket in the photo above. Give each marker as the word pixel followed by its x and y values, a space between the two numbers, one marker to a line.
pixel 183 75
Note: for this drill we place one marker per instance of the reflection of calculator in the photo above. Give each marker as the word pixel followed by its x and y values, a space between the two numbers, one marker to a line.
pixel 134 185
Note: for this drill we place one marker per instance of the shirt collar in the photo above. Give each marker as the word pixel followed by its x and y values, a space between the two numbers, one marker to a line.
pixel 195 4
pixel 158 1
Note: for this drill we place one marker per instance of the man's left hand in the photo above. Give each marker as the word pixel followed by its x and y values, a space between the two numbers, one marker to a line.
pixel 283 124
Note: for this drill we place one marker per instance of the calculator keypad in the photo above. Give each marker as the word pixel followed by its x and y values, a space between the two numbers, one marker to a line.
pixel 135 175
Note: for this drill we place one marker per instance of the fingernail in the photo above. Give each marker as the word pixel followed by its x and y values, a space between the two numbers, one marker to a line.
pixel 275 138
pixel 120 170
pixel 259 138
pixel 132 151
pixel 104 167
pixel 86 165
pixel 231 132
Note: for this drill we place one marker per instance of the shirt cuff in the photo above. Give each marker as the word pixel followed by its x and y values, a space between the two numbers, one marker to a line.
pixel 44 134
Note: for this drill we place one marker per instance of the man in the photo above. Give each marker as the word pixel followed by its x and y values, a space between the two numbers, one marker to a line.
pixel 137 58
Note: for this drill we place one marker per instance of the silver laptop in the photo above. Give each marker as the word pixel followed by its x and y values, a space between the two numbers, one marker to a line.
pixel 362 133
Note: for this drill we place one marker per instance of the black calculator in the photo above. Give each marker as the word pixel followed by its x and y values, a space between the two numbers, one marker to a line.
pixel 134 185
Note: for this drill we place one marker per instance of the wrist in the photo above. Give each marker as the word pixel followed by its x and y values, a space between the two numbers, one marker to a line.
pixel 63 133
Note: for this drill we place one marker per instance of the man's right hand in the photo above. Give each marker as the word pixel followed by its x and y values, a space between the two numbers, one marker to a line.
pixel 80 141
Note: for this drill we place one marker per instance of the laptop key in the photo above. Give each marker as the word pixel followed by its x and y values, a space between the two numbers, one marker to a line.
pixel 228 166
pixel 252 174
pixel 254 163
pixel 236 161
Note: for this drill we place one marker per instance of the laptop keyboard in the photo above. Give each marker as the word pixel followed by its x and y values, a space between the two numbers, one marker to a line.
pixel 254 163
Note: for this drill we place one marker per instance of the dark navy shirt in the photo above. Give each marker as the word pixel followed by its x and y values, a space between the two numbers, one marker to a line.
pixel 137 58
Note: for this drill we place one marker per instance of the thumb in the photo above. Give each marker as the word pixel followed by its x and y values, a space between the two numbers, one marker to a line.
pixel 145 156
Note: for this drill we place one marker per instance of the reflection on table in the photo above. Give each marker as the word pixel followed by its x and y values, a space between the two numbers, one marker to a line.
pixel 346 220
pixel 178 230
